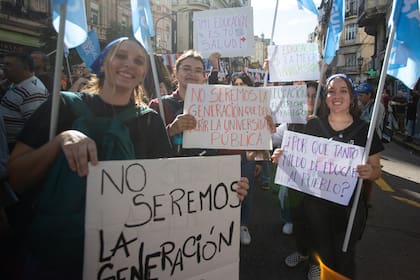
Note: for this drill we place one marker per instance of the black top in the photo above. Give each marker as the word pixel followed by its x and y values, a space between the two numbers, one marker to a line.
pixel 355 134
pixel 147 131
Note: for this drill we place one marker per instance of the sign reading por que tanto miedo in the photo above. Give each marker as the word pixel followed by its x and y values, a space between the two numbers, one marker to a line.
pixel 172 218
pixel 318 166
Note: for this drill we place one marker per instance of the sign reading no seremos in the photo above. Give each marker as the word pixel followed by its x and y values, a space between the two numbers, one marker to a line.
pixel 227 31
pixel 319 167
pixel 298 62
pixel 228 117
pixel 163 219
pixel 289 104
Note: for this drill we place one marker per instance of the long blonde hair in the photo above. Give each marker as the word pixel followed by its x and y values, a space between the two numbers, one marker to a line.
pixel 96 82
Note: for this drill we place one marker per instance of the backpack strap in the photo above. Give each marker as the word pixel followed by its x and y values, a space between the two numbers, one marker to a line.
pixel 76 103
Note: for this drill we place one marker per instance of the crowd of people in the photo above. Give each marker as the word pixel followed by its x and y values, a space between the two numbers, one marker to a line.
pixel 121 79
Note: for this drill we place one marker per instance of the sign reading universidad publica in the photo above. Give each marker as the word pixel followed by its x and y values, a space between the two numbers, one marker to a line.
pixel 163 219
pixel 227 31
pixel 319 167
pixel 228 117
pixel 289 104
pixel 296 62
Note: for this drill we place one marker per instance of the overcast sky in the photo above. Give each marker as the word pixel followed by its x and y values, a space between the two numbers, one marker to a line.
pixel 292 25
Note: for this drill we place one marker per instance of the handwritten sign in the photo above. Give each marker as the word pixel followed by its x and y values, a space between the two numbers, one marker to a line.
pixel 318 166
pixel 163 219
pixel 228 117
pixel 289 104
pixel 297 62
pixel 227 31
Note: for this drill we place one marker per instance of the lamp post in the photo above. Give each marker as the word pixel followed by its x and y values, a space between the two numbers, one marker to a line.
pixel 360 64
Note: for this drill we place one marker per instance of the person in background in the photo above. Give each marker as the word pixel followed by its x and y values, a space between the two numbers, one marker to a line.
pixel 248 166
pixel 189 69
pixel 386 97
pixel 41 69
pixel 81 77
pixel 399 105
pixel 366 96
pixel 411 114
pixel 24 96
pixel 164 79
pixel 327 221
pixel 293 211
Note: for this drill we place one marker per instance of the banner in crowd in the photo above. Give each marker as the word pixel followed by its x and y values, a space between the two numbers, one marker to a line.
pixel 90 49
pixel 228 117
pixel 227 31
pixel 163 219
pixel 297 62
pixel 319 166
pixel 289 104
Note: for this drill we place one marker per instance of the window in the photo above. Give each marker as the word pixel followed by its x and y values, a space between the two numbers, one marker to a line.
pixel 351 8
pixel 351 30
pixel 351 61
pixel 94 13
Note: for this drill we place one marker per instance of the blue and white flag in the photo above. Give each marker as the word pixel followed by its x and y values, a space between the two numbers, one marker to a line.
pixel 90 49
pixel 308 4
pixel 404 60
pixel 75 32
pixel 335 26
pixel 142 22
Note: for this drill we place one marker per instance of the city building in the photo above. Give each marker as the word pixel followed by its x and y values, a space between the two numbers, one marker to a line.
pixel 355 56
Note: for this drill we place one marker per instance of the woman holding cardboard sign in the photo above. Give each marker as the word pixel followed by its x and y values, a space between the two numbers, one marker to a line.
pixel 328 220
pixel 111 122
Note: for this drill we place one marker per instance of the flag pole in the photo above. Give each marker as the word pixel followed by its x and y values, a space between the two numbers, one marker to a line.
pixel 372 127
pixel 271 39
pixel 318 89
pixel 156 81
pixel 55 103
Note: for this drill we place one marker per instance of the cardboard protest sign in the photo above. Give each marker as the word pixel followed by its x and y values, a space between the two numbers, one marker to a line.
pixel 297 62
pixel 227 31
pixel 319 167
pixel 289 104
pixel 172 218
pixel 228 117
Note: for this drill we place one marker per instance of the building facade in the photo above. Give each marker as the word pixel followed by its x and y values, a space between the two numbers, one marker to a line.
pixel 356 54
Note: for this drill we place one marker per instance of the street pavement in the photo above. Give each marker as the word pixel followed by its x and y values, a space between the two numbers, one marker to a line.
pixel 390 247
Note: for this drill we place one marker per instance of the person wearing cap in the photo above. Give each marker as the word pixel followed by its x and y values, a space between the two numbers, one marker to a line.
pixel 327 221
pixel 366 96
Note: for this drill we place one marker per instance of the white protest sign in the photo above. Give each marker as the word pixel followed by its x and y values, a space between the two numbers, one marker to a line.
pixel 163 219
pixel 289 104
pixel 319 167
pixel 297 62
pixel 228 117
pixel 227 31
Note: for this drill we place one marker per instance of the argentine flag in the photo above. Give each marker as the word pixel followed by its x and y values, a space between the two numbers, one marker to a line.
pixel 142 22
pixel 308 4
pixel 335 27
pixel 404 60
pixel 75 32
